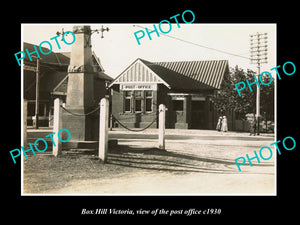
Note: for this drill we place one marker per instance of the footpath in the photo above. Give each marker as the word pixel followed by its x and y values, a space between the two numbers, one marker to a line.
pixel 191 132
pixel 151 133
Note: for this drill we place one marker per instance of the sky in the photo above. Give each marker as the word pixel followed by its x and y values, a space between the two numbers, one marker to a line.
pixel 119 47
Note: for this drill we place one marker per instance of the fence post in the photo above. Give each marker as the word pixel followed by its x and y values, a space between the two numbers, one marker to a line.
pixel 161 126
pixel 25 123
pixel 103 129
pixel 57 125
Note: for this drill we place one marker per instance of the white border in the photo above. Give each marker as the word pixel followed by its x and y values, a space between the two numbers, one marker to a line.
pixel 22 107
pixel 145 194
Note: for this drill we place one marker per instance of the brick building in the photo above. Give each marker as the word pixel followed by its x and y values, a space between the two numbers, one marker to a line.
pixel 185 87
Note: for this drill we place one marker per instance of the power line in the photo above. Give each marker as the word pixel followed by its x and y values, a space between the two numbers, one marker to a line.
pixel 203 46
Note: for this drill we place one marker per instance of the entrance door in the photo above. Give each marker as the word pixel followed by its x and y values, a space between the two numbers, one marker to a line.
pixel 198 120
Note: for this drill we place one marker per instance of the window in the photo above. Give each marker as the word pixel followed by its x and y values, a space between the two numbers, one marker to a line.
pixel 128 93
pixel 148 105
pixel 127 105
pixel 138 101
pixel 138 105
pixel 138 94
pixel 127 101
pixel 177 105
pixel 148 96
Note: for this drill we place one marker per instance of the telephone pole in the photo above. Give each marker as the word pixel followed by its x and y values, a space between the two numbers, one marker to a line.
pixel 37 95
pixel 258 55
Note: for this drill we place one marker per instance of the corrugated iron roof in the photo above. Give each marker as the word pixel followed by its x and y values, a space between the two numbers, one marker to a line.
pixel 207 72
pixel 190 75
pixel 175 79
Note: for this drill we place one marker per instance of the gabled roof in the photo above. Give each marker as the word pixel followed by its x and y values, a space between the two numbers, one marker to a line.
pixel 138 71
pixel 181 75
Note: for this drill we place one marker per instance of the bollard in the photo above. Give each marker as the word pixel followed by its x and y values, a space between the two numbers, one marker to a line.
pixel 103 129
pixel 57 125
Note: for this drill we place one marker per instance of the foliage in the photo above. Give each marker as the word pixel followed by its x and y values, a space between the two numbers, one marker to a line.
pixel 227 99
pixel 267 98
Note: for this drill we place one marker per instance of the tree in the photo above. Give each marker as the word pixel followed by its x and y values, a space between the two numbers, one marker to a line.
pixel 227 99
pixel 267 98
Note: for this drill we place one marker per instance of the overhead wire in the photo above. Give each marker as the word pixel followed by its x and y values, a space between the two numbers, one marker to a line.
pixel 199 45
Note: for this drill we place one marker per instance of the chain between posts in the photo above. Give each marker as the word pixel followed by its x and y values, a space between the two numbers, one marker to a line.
pixel 118 121
pixel 127 128
pixel 77 114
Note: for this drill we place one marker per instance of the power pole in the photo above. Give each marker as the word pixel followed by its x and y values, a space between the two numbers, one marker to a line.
pixel 37 94
pixel 258 55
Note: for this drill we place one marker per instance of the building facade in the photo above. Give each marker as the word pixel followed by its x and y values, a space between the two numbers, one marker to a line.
pixel 185 87
pixel 53 82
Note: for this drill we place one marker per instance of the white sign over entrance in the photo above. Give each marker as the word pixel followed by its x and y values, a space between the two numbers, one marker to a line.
pixel 152 87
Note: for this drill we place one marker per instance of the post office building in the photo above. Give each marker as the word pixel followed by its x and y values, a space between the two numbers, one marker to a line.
pixel 185 87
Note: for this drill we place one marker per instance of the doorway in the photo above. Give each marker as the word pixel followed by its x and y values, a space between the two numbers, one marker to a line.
pixel 198 117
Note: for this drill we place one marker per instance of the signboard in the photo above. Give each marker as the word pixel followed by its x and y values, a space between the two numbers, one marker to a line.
pixel 151 87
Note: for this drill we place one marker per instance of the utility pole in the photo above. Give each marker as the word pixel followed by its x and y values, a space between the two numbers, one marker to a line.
pixel 258 55
pixel 37 95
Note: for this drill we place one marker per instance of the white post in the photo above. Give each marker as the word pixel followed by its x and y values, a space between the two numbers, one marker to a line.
pixel 161 126
pixel 103 129
pixel 57 125
pixel 25 123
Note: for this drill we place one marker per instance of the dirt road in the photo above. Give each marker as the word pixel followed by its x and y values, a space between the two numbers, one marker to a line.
pixel 136 166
